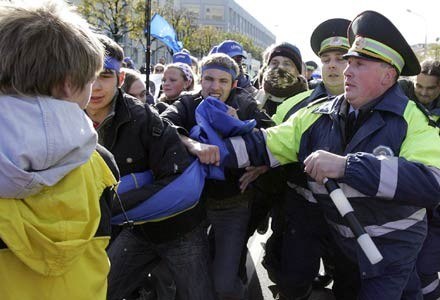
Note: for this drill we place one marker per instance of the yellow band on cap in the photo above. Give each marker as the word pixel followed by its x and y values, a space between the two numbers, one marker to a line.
pixel 334 42
pixel 378 50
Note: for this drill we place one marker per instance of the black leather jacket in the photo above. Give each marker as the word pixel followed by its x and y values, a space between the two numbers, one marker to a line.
pixel 140 141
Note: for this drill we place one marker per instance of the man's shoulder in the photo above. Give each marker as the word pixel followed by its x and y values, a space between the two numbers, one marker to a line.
pixel 407 85
pixel 188 99
pixel 131 102
pixel 190 96
pixel 242 95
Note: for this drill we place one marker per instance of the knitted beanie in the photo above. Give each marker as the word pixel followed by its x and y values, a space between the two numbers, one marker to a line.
pixel 287 50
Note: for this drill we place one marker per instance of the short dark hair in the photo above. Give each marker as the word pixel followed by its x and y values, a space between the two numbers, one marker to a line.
pixel 130 77
pixel 112 48
pixel 431 67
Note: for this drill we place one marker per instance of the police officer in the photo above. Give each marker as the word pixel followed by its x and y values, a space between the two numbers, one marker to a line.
pixel 329 42
pixel 304 236
pixel 386 161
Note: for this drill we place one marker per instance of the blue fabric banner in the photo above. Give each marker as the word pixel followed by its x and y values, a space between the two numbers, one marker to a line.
pixel 164 32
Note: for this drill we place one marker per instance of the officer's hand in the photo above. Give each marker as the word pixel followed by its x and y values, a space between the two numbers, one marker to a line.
pixel 250 175
pixel 207 154
pixel 321 164
pixel 232 112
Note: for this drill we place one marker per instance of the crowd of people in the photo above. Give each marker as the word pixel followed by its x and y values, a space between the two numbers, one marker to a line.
pixel 133 193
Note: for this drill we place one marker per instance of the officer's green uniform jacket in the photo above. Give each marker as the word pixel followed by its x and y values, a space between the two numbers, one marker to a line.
pixel 392 170
pixel 295 103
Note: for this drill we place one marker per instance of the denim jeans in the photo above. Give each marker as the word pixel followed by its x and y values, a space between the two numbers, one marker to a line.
pixel 230 233
pixel 187 258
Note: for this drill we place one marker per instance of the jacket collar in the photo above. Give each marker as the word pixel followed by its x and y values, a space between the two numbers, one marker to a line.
pixel 121 116
pixel 393 100
pixel 318 92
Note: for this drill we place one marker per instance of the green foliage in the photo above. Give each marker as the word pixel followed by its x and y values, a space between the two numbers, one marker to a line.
pixel 118 17
pixel 206 37
pixel 432 53
pixel 246 42
pixel 202 40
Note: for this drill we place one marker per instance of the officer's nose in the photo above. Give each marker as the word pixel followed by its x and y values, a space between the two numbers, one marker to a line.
pixel 347 71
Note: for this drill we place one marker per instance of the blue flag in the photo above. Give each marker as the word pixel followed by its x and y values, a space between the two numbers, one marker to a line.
pixel 164 32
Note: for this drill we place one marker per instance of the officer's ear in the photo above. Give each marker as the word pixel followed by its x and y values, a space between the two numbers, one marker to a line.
pixel 390 75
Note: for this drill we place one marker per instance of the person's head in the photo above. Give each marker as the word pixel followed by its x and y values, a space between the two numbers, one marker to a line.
pixel 182 57
pixel 47 50
pixel 282 71
pixel 378 55
pixel 219 74
pixel 329 42
pixel 310 67
pixel 158 68
pixel 134 84
pixel 129 63
pixel 233 49
pixel 213 50
pixel 178 77
pixel 285 56
pixel 427 83
pixel 110 78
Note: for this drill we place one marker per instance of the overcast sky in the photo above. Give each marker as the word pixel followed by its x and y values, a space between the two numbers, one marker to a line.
pixel 294 21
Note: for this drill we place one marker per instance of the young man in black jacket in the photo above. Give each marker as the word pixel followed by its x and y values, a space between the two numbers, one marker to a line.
pixel 228 210
pixel 140 141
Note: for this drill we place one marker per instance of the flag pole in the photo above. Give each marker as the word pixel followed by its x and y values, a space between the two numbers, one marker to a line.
pixel 148 48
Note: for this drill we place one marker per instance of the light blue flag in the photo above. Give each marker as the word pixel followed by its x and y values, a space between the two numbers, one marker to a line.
pixel 164 32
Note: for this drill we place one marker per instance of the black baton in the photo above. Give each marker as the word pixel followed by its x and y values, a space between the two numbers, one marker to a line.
pixel 346 210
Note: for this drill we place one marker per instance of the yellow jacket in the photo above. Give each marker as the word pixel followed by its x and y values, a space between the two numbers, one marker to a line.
pixel 53 251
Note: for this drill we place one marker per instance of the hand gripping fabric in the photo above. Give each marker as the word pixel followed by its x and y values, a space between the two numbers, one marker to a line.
pixel 214 124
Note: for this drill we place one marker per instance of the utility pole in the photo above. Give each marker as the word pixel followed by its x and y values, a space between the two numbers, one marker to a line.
pixel 426 28
pixel 148 47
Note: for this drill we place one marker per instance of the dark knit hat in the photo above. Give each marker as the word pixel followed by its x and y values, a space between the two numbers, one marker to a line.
pixel 287 50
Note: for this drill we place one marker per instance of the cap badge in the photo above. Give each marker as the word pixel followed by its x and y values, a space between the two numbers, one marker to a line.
pixel 335 41
pixel 360 43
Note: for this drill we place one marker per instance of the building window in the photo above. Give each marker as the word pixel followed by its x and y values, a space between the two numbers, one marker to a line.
pixel 214 12
pixel 192 8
